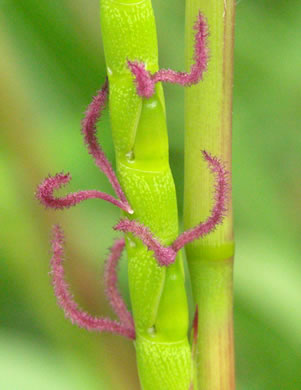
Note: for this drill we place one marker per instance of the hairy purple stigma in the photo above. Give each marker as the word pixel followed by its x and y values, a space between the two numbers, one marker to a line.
pixel 145 81
pixel 66 301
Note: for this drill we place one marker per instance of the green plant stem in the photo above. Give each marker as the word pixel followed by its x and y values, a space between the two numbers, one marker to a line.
pixel 208 113
pixel 158 294
pixel 213 293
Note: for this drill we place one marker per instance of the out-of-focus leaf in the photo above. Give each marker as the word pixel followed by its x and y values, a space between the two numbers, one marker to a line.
pixel 26 365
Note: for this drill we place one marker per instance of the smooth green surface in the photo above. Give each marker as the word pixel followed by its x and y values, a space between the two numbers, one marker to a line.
pixel 208 126
pixel 208 122
pixel 212 291
pixel 51 64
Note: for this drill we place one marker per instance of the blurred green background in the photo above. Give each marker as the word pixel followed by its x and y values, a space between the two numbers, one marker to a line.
pixel 51 64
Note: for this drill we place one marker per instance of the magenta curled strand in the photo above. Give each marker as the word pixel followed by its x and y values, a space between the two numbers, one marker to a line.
pixel 219 209
pixel 92 115
pixel 167 255
pixel 164 255
pixel 145 81
pixel 46 189
pixel 66 301
pixel 111 284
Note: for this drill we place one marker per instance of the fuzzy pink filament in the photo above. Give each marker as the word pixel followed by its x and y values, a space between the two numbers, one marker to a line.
pixel 145 84
pixel 111 289
pixel 45 194
pixel 219 209
pixel 145 81
pixel 166 255
pixel 66 301
pixel 92 115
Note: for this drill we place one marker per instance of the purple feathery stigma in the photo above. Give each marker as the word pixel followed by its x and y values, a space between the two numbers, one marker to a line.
pixel 66 301
pixel 45 194
pixel 143 79
pixel 111 279
pixel 92 115
pixel 145 82
pixel 164 255
pixel 200 58
pixel 219 209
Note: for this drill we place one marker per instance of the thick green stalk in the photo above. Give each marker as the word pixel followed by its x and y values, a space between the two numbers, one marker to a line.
pixel 208 112
pixel 140 138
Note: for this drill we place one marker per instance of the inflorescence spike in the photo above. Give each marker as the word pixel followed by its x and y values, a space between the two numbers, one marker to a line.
pixel 145 83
